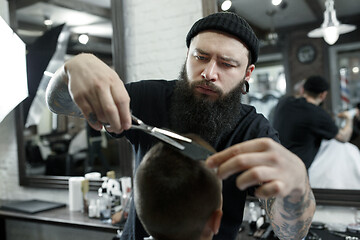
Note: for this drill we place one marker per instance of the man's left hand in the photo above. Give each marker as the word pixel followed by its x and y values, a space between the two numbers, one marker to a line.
pixel 263 162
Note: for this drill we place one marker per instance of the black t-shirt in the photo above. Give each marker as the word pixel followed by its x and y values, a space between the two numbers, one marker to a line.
pixel 150 101
pixel 356 128
pixel 302 126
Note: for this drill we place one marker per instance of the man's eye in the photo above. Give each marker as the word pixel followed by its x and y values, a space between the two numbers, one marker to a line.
pixel 200 57
pixel 227 65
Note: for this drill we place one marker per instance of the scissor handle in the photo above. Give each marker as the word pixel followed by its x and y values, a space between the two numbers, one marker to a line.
pixel 137 120
pixel 134 119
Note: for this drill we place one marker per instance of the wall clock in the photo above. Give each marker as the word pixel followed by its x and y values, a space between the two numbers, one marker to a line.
pixel 306 53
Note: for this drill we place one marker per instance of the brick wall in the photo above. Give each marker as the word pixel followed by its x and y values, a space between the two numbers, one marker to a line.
pixel 155 36
pixel 9 174
pixel 8 157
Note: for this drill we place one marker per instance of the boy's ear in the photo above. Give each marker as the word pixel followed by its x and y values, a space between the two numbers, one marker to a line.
pixel 217 215
pixel 213 224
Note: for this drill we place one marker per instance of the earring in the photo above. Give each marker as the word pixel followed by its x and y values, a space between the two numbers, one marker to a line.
pixel 247 86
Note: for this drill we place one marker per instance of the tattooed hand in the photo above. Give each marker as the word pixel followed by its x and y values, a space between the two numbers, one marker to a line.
pixel 85 86
pixel 284 186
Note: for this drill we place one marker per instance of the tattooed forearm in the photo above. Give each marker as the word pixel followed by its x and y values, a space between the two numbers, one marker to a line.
pixel 60 102
pixel 295 231
pixel 268 206
pixel 293 210
pixel 291 216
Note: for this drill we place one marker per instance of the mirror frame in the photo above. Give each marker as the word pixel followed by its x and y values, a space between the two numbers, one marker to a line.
pixel 323 196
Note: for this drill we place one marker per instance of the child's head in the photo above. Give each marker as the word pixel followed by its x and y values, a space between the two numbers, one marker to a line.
pixel 177 197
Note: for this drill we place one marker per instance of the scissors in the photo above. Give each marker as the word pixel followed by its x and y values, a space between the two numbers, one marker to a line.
pixel 183 144
pixel 162 134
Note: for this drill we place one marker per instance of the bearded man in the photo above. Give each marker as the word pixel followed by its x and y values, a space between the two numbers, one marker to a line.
pixel 206 100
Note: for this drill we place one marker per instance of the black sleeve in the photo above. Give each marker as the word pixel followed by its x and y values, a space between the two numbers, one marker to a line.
pixel 324 125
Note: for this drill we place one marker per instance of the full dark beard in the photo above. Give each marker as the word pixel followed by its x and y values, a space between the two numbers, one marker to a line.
pixel 212 120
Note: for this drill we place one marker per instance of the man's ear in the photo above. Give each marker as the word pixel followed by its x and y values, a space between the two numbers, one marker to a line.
pixel 323 95
pixel 248 72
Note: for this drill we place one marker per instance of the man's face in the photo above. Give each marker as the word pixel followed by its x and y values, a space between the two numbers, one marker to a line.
pixel 216 64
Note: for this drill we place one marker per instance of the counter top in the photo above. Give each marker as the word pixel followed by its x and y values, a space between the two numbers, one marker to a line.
pixel 61 216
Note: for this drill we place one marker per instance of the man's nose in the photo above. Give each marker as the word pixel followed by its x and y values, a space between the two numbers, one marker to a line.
pixel 210 72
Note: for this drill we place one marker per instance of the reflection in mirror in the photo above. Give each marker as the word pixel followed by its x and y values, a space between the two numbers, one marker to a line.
pixel 268 84
pixel 53 147
pixel 67 146
pixel 337 165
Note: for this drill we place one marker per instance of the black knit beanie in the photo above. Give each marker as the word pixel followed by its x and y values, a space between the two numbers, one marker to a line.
pixel 316 84
pixel 230 23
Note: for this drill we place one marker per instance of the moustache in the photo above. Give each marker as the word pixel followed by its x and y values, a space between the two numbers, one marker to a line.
pixel 209 85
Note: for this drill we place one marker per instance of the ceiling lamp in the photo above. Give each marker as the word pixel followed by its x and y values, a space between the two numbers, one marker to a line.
pixel 276 2
pixel 83 39
pixel 47 21
pixel 226 5
pixel 331 28
pixel 272 36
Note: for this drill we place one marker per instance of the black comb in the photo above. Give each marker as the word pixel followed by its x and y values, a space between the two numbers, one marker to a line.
pixel 194 151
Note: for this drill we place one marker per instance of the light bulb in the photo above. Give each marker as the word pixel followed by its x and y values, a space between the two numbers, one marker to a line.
pixel 355 70
pixel 276 2
pixel 48 22
pixel 226 5
pixel 331 34
pixel 83 39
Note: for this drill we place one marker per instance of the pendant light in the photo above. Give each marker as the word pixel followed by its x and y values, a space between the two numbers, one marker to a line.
pixel 272 36
pixel 331 28
pixel 226 5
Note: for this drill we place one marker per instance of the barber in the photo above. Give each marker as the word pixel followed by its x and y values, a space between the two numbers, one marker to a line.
pixel 205 100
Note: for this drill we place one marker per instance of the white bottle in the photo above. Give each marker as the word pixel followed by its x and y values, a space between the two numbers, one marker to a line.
pixel 92 208
pixel 253 215
pixel 104 204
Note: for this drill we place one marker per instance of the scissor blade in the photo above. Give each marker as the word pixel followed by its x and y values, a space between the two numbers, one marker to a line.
pixel 167 140
pixel 191 150
pixel 171 134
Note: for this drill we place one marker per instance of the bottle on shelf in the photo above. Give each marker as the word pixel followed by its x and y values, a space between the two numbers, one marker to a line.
pixel 253 216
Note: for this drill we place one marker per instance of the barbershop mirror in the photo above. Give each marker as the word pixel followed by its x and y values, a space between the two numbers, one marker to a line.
pixel 53 147
pixel 269 84
pixel 61 130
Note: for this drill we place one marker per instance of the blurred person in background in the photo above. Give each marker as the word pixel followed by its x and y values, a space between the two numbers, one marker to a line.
pixel 302 123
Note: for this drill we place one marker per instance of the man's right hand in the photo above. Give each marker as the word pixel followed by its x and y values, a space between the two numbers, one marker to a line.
pixel 345 115
pixel 98 92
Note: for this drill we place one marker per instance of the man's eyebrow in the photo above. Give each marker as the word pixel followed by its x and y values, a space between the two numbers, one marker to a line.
pixel 198 50
pixel 229 59
pixel 224 58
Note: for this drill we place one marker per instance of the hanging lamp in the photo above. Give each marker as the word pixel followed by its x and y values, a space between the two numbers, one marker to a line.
pixel 331 28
